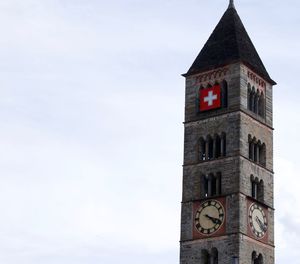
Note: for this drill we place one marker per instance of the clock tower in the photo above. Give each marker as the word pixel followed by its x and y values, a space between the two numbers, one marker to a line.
pixel 227 212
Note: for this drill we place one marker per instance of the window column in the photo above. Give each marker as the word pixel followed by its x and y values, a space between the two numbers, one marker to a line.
pixel 214 147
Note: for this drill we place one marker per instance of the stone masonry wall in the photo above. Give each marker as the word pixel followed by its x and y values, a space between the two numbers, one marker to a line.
pixel 236 168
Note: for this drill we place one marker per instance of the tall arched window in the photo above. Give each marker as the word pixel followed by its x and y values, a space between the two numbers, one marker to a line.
pixel 262 160
pixel 223 144
pixel 205 258
pixel 209 147
pixel 260 259
pixel 256 259
pixel 253 257
pixel 257 188
pixel 257 151
pixel 217 146
pixel 211 184
pixel 214 256
pixel 204 186
pixel 260 191
pixel 202 149
pixel 251 149
pixel 255 101
pixel 254 182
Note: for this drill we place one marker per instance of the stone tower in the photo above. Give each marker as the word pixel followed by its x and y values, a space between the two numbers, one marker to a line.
pixel 227 202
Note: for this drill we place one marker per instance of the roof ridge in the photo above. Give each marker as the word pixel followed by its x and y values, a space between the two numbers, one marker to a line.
pixel 235 30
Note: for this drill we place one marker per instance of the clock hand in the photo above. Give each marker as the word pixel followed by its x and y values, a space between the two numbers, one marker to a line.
pixel 260 223
pixel 213 219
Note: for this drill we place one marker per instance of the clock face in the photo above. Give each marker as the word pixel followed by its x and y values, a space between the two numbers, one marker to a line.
pixel 258 220
pixel 209 217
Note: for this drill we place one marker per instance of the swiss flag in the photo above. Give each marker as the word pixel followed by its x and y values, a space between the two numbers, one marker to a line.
pixel 210 98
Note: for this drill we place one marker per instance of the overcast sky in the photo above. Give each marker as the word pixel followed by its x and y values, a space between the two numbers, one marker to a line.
pixel 91 136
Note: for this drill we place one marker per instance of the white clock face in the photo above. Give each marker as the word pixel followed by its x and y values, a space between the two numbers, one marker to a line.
pixel 209 217
pixel 258 221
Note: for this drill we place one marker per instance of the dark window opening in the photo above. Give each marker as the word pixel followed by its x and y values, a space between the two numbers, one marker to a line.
pixel 257 151
pixel 211 185
pixel 257 188
pixel 211 148
pixel 255 101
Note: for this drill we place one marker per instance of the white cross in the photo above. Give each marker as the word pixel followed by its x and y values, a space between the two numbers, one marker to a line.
pixel 210 98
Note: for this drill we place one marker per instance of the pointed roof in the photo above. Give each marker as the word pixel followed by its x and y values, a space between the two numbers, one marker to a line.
pixel 229 43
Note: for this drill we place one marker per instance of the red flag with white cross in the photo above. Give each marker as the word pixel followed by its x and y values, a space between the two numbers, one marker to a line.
pixel 210 98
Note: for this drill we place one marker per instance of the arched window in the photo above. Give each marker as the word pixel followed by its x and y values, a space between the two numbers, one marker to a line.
pixel 255 101
pixel 217 146
pixel 254 149
pixel 214 256
pixel 210 147
pixel 204 186
pixel 224 94
pixel 253 257
pixel 250 156
pixel 205 258
pixel 253 187
pixel 211 184
pixel 260 259
pixel 257 151
pixel 262 160
pixel 223 144
pixel 256 259
pixel 257 188
pixel 202 149
pixel 260 191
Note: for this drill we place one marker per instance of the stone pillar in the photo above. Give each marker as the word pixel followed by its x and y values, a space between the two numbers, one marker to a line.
pixel 214 147
pixel 207 149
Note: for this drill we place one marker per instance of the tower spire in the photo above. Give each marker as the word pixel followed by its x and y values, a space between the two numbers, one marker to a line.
pixel 231 4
